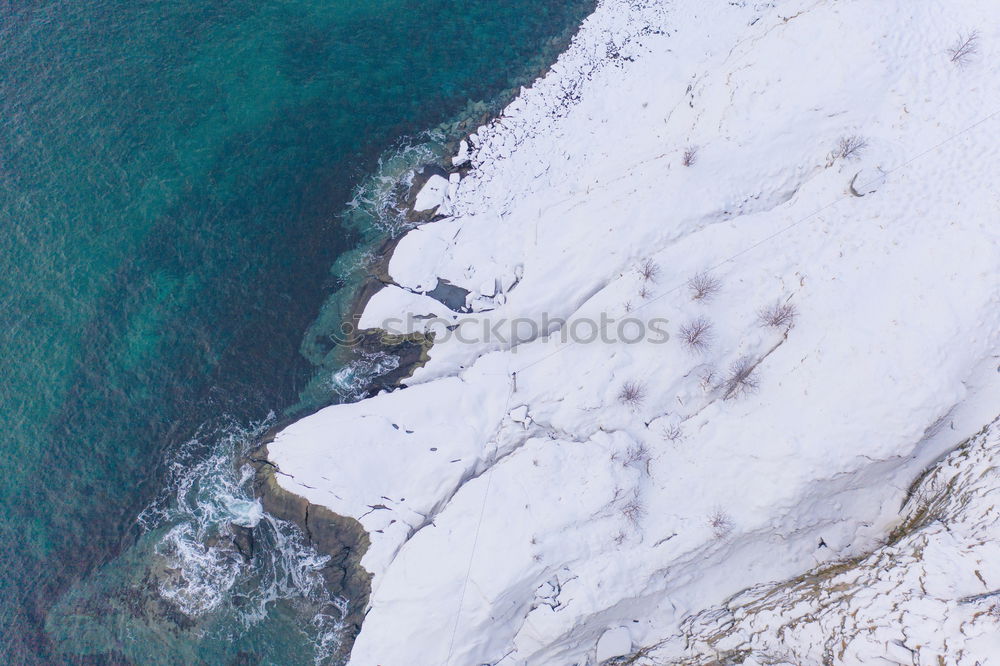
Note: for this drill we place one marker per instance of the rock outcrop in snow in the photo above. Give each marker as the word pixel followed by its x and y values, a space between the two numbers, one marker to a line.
pixel 529 490
pixel 930 595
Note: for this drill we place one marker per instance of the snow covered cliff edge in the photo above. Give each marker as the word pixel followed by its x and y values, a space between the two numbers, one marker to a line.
pixel 805 193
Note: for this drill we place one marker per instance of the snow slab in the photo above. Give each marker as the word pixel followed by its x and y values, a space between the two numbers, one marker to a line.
pixel 432 194
pixel 519 504
pixel 614 643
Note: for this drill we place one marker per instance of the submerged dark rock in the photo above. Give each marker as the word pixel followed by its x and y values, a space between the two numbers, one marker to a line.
pixel 243 541
pixel 342 538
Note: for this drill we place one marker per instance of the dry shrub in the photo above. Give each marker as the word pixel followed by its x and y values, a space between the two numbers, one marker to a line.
pixel 965 47
pixel 649 270
pixel 703 286
pixel 742 379
pixel 721 524
pixel 707 380
pixel 690 156
pixel 673 433
pixel 637 453
pixel 779 315
pixel 697 335
pixel 633 510
pixel 850 147
pixel 632 393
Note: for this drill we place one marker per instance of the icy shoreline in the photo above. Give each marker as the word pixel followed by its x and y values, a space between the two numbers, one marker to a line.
pixel 519 504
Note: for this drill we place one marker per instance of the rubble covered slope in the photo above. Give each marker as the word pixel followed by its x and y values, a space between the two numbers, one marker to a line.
pixel 930 595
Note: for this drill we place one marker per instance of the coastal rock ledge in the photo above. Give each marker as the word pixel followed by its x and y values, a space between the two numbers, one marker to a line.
pixel 542 495
pixel 341 538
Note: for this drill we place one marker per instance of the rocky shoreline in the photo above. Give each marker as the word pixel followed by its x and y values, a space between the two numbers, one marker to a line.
pixel 548 502
pixel 342 538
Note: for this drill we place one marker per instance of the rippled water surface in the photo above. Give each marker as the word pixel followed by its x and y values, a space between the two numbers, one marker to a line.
pixel 176 181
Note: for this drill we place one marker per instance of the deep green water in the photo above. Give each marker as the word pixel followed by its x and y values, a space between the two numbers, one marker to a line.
pixel 173 183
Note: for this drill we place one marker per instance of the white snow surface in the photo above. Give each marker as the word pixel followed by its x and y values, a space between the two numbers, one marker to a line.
pixel 515 521
pixel 929 596
pixel 432 194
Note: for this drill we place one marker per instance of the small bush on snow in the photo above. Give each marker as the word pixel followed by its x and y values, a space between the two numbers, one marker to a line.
pixel 632 393
pixel 637 453
pixel 850 147
pixel 779 315
pixel 707 380
pixel 742 379
pixel 964 48
pixel 649 270
pixel 690 156
pixel 633 510
pixel 673 433
pixel 703 286
pixel 696 335
pixel 721 524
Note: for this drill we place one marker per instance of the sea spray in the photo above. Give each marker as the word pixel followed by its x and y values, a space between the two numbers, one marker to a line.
pixel 376 212
pixel 197 521
pixel 376 201
pixel 351 382
pixel 212 498
pixel 210 571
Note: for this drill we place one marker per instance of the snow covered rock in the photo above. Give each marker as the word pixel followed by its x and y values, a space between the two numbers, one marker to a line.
pixel 614 643
pixel 432 194
pixel 657 477
pixel 463 154
pixel 930 595
pixel 867 181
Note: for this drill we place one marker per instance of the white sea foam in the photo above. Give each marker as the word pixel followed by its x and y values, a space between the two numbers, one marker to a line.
pixel 376 200
pixel 349 383
pixel 204 574
pixel 193 523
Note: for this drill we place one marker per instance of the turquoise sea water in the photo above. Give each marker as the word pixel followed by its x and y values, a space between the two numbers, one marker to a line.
pixel 174 188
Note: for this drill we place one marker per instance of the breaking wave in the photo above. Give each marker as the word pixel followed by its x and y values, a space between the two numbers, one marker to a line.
pixel 221 560
pixel 222 554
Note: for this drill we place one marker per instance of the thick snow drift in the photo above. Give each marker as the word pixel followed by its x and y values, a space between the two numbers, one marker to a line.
pixel 822 161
